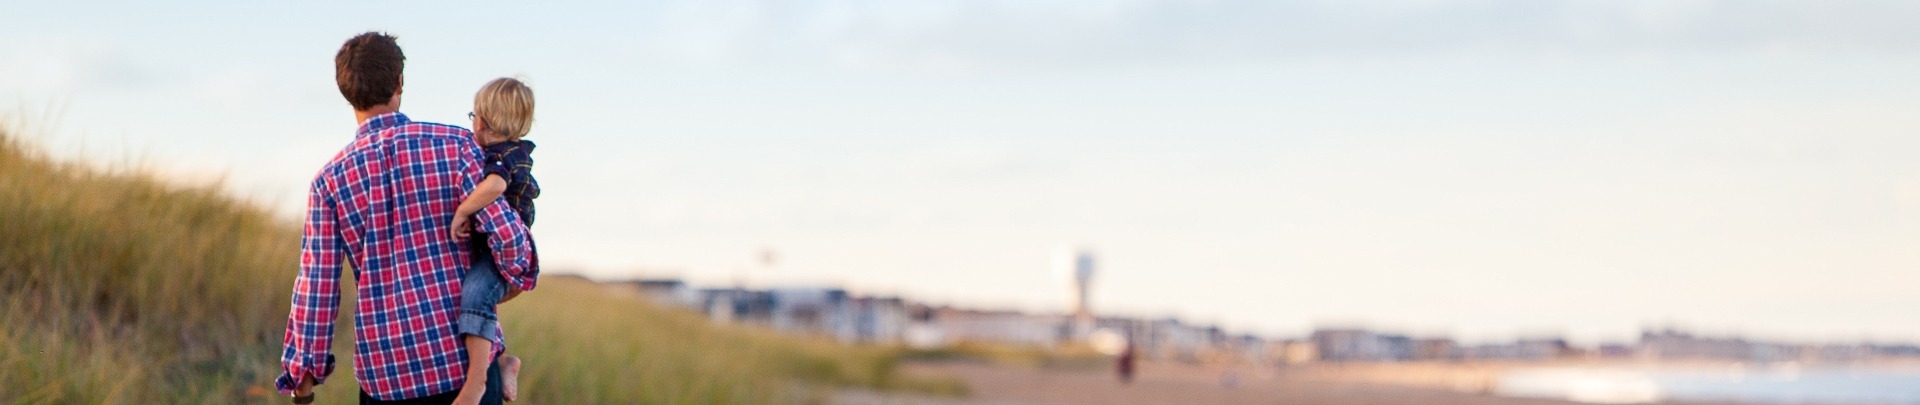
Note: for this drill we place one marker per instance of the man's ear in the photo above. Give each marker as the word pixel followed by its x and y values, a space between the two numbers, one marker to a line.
pixel 395 101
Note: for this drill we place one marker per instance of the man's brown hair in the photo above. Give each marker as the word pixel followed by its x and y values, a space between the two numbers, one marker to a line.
pixel 368 69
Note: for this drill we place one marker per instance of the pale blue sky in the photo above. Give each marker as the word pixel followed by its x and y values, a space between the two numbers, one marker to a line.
pixel 1485 169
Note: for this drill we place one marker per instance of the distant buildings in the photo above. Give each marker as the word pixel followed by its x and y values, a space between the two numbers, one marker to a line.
pixel 1436 349
pixel 823 311
pixel 820 311
pixel 1360 345
pixel 728 305
pixel 835 313
pixel 1669 344
pixel 671 292
pixel 1168 338
pixel 878 320
pixel 1004 327
pixel 843 316
pixel 1341 345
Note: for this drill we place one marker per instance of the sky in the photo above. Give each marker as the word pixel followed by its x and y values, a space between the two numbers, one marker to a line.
pixel 1478 169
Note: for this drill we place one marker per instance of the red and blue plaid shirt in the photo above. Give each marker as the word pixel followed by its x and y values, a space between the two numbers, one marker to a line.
pixel 384 205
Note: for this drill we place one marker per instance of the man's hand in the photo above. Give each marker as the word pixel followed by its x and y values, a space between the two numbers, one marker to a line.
pixel 462 227
pixel 304 389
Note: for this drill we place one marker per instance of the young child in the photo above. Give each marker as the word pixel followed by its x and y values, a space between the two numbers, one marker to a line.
pixel 502 114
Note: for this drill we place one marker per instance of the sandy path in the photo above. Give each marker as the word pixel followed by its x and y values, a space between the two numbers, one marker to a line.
pixel 1164 384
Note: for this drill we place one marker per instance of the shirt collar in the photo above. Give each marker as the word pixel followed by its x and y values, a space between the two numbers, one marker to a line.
pixel 382 122
pixel 520 144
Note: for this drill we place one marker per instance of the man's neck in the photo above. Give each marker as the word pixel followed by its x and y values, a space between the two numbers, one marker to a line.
pixel 361 116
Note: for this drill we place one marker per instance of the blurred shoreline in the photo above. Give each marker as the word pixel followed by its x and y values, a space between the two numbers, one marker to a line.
pixel 1466 375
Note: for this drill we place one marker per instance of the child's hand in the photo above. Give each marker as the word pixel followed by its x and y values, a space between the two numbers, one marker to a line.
pixel 462 227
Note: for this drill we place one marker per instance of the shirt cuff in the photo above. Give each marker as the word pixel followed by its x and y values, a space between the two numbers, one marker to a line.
pixel 317 365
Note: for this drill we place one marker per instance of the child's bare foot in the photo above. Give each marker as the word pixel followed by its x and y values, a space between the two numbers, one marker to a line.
pixel 470 394
pixel 510 375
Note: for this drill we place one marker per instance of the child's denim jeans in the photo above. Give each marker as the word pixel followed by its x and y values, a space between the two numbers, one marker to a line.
pixel 480 292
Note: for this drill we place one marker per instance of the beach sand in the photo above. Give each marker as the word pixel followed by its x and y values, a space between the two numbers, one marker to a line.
pixel 1168 383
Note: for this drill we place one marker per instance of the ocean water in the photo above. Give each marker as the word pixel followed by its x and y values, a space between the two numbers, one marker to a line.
pixel 1782 384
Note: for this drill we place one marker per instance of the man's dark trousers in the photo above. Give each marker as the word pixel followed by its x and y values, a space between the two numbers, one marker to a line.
pixel 494 388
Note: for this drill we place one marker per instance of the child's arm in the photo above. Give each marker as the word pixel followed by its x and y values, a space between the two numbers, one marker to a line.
pixel 484 193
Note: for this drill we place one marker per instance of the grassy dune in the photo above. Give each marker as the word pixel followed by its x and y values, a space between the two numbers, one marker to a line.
pixel 115 288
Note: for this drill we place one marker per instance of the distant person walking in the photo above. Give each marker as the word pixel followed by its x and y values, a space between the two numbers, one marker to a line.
pixel 1125 363
pixel 385 203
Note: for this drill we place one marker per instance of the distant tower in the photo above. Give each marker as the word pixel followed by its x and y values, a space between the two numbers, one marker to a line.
pixel 1076 265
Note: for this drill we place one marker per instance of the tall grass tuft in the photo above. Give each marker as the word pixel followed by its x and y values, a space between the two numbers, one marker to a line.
pixel 116 288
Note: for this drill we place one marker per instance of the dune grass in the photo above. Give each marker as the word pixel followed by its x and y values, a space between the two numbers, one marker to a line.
pixel 1068 357
pixel 653 363
pixel 115 288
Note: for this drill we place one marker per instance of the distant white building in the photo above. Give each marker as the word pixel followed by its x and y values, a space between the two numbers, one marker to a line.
pixel 879 320
pixel 1338 345
pixel 729 305
pixel 1671 344
pixel 1253 349
pixel 825 311
pixel 670 292
pixel 1004 327
pixel 1436 349
pixel 921 331
pixel 1170 339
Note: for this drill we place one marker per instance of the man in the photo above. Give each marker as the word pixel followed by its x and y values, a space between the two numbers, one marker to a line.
pixel 384 204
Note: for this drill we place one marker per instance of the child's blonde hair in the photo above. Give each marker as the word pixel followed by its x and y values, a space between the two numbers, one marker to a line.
pixel 506 105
